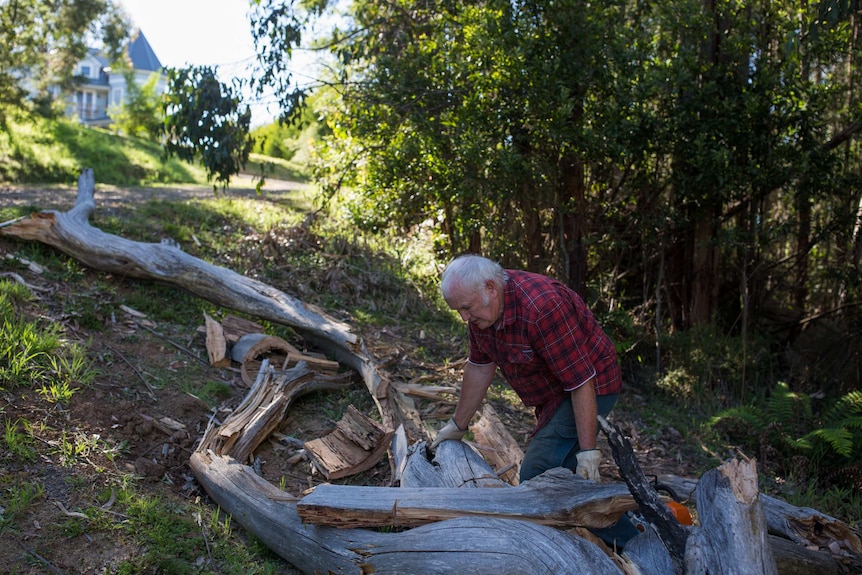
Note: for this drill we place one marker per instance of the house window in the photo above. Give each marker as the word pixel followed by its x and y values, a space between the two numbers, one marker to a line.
pixel 118 96
pixel 85 71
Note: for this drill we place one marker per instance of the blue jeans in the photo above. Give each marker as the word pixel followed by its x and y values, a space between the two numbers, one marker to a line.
pixel 556 445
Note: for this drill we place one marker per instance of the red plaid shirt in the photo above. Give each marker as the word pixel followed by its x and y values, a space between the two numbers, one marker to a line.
pixel 546 343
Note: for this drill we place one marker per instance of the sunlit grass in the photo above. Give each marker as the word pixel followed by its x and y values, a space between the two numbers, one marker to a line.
pixel 19 440
pixel 37 356
pixel 36 149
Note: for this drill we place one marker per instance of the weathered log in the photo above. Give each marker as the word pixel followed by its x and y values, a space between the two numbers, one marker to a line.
pixel 650 554
pixel 793 559
pixel 355 445
pixel 463 467
pixel 251 348
pixel 558 498
pixel 71 233
pixel 807 526
pixel 263 409
pixel 466 545
pixel 497 445
pixel 236 327
pixel 802 525
pixel 671 533
pixel 732 536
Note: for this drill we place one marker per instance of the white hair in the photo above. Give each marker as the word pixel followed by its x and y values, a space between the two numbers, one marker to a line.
pixel 471 272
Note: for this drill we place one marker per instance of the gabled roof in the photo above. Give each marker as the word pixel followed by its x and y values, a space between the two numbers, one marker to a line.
pixel 98 56
pixel 141 53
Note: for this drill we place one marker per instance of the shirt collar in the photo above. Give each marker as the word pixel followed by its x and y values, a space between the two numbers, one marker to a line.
pixel 507 313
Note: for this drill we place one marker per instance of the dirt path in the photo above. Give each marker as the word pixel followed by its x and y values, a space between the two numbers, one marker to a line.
pixel 56 197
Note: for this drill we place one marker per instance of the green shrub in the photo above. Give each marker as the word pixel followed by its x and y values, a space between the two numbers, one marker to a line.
pixel 793 439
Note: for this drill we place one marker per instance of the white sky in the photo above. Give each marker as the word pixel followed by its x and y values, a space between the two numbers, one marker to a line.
pixel 199 33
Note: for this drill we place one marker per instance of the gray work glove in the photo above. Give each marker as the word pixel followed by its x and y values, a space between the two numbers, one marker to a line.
pixel 588 464
pixel 449 431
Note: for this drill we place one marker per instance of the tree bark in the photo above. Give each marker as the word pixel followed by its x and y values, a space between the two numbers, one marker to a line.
pixel 732 536
pixel 557 498
pixel 482 546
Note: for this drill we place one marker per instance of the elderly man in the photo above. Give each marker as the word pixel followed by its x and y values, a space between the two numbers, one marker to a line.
pixel 551 351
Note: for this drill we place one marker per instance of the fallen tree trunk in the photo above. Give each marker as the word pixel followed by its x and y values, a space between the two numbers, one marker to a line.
pixel 450 467
pixel 732 536
pixel 804 526
pixel 735 522
pixel 497 445
pixel 263 409
pixel 557 498
pixel 465 545
pixel 71 233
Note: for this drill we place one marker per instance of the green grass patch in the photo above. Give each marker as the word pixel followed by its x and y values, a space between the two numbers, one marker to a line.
pixel 179 538
pixel 19 440
pixel 15 500
pixel 38 150
pixel 276 168
pixel 37 356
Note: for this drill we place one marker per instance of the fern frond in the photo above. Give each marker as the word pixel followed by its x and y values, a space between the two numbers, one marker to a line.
pixel 747 414
pixel 839 439
pixel 847 407
pixel 787 407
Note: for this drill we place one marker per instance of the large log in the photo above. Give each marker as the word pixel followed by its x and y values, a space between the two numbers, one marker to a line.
pixel 732 536
pixel 263 408
pixel 497 445
pixel 467 545
pixel 454 464
pixel 802 525
pixel 558 498
pixel 71 233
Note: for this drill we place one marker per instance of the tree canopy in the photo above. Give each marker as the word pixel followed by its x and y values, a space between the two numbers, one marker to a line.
pixel 41 42
pixel 698 162
pixel 206 119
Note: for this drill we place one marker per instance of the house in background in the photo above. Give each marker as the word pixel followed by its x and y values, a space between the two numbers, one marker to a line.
pixel 100 88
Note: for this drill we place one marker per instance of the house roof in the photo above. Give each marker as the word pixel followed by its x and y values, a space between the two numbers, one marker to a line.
pixel 141 53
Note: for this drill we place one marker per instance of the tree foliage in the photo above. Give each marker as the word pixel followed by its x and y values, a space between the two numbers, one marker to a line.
pixel 206 119
pixel 41 42
pixel 142 112
pixel 697 163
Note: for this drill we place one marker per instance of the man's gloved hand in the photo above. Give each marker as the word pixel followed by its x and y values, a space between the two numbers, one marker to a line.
pixel 588 464
pixel 449 431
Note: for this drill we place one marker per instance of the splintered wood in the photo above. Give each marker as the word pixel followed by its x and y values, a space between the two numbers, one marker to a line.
pixel 243 342
pixel 356 445
pixel 216 343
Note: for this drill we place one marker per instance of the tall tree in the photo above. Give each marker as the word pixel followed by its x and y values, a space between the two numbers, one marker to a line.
pixel 206 120
pixel 41 42
pixel 698 154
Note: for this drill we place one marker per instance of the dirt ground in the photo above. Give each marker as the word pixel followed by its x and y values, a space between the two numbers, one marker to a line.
pixel 150 431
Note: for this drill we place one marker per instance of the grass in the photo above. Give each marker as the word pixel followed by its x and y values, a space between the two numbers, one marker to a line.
pixel 36 355
pixel 38 150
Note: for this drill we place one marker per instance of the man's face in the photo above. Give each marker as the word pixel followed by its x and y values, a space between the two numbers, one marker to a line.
pixel 481 307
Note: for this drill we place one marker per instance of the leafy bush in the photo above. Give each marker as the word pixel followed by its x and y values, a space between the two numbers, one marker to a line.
pixel 794 439
pixel 710 367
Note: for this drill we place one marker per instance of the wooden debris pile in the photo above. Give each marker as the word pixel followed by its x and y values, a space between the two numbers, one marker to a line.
pixel 451 494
